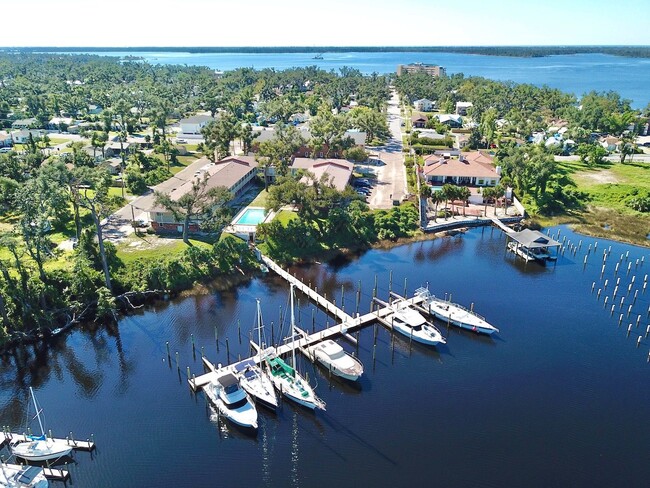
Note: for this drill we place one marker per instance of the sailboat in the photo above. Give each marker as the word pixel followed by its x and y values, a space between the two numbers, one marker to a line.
pixel 287 379
pixel 39 448
pixel 15 476
pixel 252 377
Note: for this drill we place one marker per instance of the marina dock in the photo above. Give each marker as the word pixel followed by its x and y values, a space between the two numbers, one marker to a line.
pixel 7 437
pixel 345 327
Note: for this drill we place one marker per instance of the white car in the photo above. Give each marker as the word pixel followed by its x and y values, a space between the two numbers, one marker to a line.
pixel 181 141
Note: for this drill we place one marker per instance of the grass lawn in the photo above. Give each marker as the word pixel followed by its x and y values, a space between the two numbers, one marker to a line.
pixel 284 216
pixel 609 187
pixel 149 246
pixel 260 199
pixel 55 141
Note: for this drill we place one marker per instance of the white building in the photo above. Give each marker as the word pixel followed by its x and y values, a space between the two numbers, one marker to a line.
pixel 424 105
pixel 194 124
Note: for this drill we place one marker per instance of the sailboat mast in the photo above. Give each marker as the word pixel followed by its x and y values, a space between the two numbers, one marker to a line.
pixel 293 334
pixel 259 327
pixel 38 413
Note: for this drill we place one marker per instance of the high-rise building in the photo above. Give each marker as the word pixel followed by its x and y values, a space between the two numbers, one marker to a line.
pixel 430 69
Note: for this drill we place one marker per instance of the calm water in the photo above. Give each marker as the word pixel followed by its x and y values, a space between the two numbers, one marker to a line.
pixel 577 74
pixel 559 398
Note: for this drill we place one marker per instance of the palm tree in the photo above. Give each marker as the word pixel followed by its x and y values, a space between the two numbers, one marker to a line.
pixel 464 194
pixel 498 193
pixel 449 193
pixel 436 198
pixel 488 193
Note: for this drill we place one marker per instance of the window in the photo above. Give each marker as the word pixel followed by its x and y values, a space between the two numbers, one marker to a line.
pixel 320 155
pixel 480 182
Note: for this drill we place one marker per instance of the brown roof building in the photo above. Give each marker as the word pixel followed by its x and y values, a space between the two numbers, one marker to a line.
pixel 234 172
pixel 473 168
pixel 338 171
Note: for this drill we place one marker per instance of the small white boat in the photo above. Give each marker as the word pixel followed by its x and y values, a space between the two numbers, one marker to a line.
pixel 523 252
pixel 409 322
pixel 39 448
pixel 335 359
pixel 252 377
pixel 15 476
pixel 455 314
pixel 287 379
pixel 231 401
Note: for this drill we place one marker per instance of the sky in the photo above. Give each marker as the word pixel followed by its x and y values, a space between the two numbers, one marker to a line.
pixel 122 23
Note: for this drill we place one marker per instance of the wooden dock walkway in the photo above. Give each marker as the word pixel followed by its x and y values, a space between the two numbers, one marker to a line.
pixel 344 328
pixel 501 225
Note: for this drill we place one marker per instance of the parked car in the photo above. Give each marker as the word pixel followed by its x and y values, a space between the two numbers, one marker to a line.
pixel 181 141
pixel 362 183
pixel 364 190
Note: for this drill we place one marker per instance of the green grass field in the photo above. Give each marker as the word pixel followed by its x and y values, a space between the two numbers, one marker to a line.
pixel 609 187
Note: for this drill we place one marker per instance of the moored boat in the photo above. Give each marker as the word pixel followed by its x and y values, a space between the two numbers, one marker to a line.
pixel 231 401
pixel 455 314
pixel 253 379
pixel 409 322
pixel 41 447
pixel 335 359
pixel 15 476
pixel 287 379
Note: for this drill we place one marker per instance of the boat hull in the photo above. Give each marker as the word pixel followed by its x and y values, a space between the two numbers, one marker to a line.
pixel 463 325
pixel 346 375
pixel 417 336
pixel 41 450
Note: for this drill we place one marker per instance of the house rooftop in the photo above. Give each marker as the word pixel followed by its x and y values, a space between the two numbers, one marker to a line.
pixel 337 170
pixel 472 164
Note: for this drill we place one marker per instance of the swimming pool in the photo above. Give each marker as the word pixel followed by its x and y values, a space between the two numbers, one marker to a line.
pixel 251 216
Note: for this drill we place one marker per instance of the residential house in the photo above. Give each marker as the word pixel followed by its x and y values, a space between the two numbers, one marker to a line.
pixel 6 140
pixel 60 123
pixel 461 107
pixel 424 105
pixel 298 118
pixel 95 109
pixel 24 123
pixel 234 172
pixel 22 136
pixel 194 124
pixel 419 121
pixel 113 165
pixel 338 171
pixel 451 120
pixel 610 143
pixel 470 169
pixel 430 69
pixel 429 134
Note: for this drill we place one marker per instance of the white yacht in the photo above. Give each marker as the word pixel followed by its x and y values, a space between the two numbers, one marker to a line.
pixel 41 447
pixel 231 401
pixel 15 476
pixel 252 377
pixel 523 252
pixel 335 359
pixel 455 314
pixel 287 379
pixel 408 321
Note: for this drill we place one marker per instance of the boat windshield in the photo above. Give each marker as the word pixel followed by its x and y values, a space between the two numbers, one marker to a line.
pixel 238 403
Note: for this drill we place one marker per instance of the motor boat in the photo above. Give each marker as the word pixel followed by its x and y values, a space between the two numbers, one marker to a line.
pixel 15 476
pixel 409 322
pixel 230 399
pixel 335 359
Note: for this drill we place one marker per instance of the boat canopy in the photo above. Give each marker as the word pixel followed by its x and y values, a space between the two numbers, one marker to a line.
pixel 241 366
pixel 27 475
pixel 227 380
pixel 533 239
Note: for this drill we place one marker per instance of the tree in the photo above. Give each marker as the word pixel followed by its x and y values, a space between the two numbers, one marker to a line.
pixel 488 125
pixel 200 202
pixel 373 123
pixel 488 194
pixel 328 132
pixel 437 197
pixel 277 152
pixel 464 194
pixel 449 193
pixel 91 191
pixel 218 135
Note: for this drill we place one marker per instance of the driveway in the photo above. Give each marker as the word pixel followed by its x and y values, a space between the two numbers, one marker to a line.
pixel 391 173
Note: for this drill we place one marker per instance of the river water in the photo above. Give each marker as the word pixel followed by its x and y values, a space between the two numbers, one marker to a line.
pixel 559 397
pixel 577 74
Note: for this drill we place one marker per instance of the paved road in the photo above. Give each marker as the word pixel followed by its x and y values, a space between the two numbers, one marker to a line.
pixel 391 175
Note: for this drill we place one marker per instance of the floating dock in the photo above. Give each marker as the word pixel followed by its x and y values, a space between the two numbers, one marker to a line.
pixel 345 327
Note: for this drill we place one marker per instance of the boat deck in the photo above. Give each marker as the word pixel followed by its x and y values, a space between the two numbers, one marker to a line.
pixel 87 445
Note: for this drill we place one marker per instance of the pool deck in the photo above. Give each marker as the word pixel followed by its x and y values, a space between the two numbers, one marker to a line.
pixel 246 229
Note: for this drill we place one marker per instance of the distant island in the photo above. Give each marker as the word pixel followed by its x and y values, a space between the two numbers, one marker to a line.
pixel 514 51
